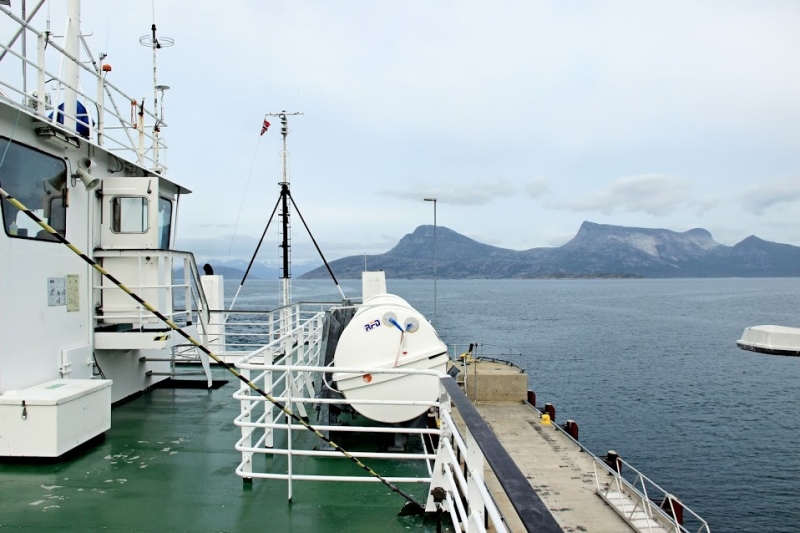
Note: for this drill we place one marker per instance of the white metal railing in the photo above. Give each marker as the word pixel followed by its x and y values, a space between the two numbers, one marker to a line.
pixel 249 331
pixel 151 274
pixel 460 472
pixel 660 509
pixel 451 460
pixel 76 80
pixel 462 354
pixel 291 369
pixel 639 494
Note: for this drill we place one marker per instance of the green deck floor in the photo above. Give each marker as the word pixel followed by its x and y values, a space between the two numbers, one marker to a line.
pixel 167 464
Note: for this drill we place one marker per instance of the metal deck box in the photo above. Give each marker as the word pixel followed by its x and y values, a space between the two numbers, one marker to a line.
pixel 52 418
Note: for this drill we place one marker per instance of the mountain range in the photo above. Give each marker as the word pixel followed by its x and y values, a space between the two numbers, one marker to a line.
pixel 597 250
pixel 236 268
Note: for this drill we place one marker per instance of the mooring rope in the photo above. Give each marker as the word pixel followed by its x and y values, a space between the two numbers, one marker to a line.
pixel 60 238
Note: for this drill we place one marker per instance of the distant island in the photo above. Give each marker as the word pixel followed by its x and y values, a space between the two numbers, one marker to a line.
pixel 596 251
pixel 235 269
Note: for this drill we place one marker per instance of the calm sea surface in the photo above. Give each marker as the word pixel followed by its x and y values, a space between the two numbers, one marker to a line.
pixel 648 368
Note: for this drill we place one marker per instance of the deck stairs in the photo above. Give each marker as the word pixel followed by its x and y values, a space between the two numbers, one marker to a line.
pixel 634 512
pixel 183 363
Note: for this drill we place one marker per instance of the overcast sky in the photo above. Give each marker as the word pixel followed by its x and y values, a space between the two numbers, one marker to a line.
pixel 524 118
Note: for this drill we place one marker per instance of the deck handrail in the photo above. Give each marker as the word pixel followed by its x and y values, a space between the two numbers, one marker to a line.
pixel 287 365
pixel 653 507
pixel 191 285
pixel 532 511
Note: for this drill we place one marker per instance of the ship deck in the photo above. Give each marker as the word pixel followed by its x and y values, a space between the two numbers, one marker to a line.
pixel 167 464
pixel 562 475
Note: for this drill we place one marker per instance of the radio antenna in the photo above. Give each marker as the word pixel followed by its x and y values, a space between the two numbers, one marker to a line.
pixel 156 44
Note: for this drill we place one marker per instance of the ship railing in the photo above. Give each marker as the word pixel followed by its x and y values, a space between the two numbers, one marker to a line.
pixel 467 449
pixel 290 369
pixel 463 353
pixel 247 331
pixel 124 134
pixel 645 495
pixel 641 494
pixel 152 274
pixel 265 431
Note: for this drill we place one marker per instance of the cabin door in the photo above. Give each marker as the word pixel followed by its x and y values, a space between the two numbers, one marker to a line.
pixel 130 213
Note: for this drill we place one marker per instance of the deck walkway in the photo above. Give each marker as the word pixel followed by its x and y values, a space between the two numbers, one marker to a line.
pixel 562 475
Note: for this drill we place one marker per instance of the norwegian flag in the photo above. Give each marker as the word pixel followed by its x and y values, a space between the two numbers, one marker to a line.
pixel 264 127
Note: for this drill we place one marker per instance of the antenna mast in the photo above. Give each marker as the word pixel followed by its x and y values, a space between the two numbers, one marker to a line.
pixel 286 287
pixel 156 44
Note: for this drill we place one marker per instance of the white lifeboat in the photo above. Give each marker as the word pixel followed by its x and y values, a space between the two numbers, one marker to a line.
pixel 775 340
pixel 386 332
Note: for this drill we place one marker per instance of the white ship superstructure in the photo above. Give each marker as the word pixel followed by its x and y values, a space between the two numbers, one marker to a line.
pixel 83 156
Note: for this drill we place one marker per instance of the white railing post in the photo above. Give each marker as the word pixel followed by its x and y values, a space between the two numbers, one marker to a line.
pixel 41 104
pixel 288 386
pixel 474 460
pixel 72 47
pixel 100 102
pixel 291 358
pixel 246 409
pixel 269 409
pixel 187 291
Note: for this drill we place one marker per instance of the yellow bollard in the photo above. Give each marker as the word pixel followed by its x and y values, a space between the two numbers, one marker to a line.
pixel 545 419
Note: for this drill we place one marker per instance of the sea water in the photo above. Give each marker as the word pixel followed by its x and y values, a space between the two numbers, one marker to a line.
pixel 648 368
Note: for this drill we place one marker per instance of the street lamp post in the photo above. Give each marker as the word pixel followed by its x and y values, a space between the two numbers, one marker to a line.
pixel 434 256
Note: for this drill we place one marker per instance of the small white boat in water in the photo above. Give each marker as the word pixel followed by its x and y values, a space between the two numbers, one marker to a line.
pixel 774 340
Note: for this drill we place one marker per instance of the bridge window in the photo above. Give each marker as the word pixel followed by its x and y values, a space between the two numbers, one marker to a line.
pixel 164 222
pixel 38 181
pixel 129 214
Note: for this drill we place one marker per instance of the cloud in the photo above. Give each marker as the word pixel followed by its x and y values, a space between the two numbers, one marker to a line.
pixel 654 194
pixel 537 186
pixel 771 193
pixel 705 204
pixel 479 193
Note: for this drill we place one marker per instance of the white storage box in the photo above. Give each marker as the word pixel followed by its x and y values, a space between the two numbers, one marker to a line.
pixel 52 418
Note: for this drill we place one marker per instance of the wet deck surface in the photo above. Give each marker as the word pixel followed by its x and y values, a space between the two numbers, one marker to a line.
pixel 168 465
pixel 562 475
